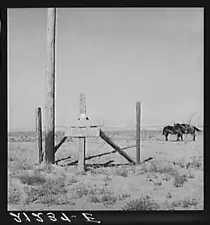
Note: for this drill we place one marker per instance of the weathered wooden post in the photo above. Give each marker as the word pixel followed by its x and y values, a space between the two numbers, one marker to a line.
pixel 50 88
pixel 138 121
pixel 39 133
pixel 82 140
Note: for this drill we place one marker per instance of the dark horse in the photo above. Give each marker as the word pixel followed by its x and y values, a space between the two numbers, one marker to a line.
pixel 187 129
pixel 172 130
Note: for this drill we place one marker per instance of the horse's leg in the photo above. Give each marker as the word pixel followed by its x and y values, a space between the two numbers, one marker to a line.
pixel 177 137
pixel 166 137
pixel 193 133
pixel 182 137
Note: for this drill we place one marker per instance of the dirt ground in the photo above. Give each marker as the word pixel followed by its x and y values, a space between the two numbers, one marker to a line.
pixel 170 176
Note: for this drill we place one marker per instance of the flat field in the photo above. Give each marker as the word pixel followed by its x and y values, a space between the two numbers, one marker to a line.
pixel 170 176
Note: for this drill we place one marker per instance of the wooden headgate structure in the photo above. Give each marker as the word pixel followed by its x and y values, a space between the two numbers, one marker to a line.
pixel 84 129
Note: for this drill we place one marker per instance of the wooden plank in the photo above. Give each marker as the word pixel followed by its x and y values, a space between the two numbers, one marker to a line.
pixel 59 145
pixel 50 88
pixel 39 133
pixel 138 121
pixel 115 146
pixel 83 132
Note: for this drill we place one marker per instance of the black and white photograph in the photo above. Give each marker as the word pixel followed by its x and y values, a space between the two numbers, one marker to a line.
pixel 105 109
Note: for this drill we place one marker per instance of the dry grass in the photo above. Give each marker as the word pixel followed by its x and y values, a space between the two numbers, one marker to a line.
pixel 146 203
pixel 32 179
pixel 158 167
pixel 105 198
pixel 71 181
pixel 14 195
pixel 50 192
pixel 58 185
pixel 196 162
pixel 179 179
pixel 97 171
pixel 124 195
pixel 121 171
pixel 96 194
pixel 185 203
pixel 24 165
pixel 142 204
pixel 81 191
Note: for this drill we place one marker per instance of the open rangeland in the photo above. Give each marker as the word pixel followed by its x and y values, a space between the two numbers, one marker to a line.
pixel 170 176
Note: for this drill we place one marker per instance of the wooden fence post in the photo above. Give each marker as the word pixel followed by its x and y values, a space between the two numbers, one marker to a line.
pixel 82 140
pixel 50 88
pixel 138 121
pixel 39 133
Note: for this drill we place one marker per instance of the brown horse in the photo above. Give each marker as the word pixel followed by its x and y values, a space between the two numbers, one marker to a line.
pixel 172 130
pixel 187 129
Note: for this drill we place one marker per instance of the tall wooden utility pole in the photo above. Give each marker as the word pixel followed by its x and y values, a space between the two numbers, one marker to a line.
pixel 50 88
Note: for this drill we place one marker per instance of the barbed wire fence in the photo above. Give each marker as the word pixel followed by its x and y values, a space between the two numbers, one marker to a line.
pixel 126 136
pixel 117 133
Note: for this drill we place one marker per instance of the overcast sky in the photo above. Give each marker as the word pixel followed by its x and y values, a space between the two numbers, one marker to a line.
pixel 116 56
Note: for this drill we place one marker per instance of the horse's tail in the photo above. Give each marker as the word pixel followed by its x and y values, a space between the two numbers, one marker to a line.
pixel 197 129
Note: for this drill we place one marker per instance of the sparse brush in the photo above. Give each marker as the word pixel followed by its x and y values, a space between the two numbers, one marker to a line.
pixel 82 191
pixel 196 162
pixel 122 171
pixel 108 198
pixel 81 173
pixel 12 158
pixel 158 168
pixel 169 195
pixel 133 169
pixel 167 177
pixel 179 180
pixel 107 180
pixel 187 202
pixel 94 199
pixel 72 180
pixel 13 195
pixel 181 163
pixel 45 168
pixel 102 191
pixel 25 166
pixel 124 195
pixel 142 204
pixel 190 175
pixel 33 179
pixel 102 196
pixel 167 206
pixel 48 193
pixel 99 171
